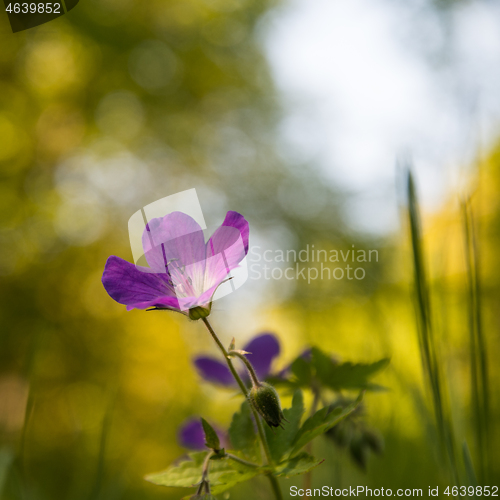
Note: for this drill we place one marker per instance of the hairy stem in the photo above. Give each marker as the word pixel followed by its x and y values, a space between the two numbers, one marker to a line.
pixel 248 365
pixel 230 365
pixel 276 487
pixel 241 461
pixel 204 481
pixel 307 481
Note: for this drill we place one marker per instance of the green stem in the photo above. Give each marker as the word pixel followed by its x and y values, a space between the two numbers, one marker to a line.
pixel 241 461
pixel 248 365
pixel 275 486
pixel 204 481
pixel 236 376
pixel 307 481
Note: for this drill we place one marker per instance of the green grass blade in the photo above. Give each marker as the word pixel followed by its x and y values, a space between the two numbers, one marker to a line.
pixel 426 335
pixel 469 467
pixel 6 459
pixel 478 358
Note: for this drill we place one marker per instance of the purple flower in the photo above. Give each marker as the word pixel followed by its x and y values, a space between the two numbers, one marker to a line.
pixel 184 271
pixel 263 348
pixel 192 436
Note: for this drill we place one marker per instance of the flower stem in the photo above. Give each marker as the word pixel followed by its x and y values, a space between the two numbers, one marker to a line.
pixel 260 429
pixel 204 483
pixel 248 365
pixel 241 461
pixel 307 480
pixel 276 487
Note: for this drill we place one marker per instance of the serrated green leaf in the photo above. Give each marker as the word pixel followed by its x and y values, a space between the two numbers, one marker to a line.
pixel 299 464
pixel 301 369
pixel 322 364
pixel 211 437
pixel 348 375
pixel 242 432
pixel 280 440
pixel 320 422
pixel 223 474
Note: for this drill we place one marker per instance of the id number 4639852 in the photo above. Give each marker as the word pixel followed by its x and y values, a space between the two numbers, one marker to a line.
pixel 32 8
pixel 478 491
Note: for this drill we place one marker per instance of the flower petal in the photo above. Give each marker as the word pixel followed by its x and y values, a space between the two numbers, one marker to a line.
pixel 191 435
pixel 214 371
pixel 128 285
pixel 226 248
pixel 263 348
pixel 234 219
pixel 175 240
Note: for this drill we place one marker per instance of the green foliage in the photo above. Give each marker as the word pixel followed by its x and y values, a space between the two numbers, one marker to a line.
pixel 348 375
pixel 323 370
pixel 227 470
pixel 469 467
pixel 224 474
pixel 320 422
pixel 280 440
pixel 300 464
pixel 302 371
pixel 6 458
pixel 211 437
pixel 427 340
pixel 480 400
pixel 242 432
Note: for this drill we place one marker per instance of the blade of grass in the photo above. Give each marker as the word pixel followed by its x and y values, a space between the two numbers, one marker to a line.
pixel 426 335
pixel 103 440
pixel 469 467
pixel 6 458
pixel 478 357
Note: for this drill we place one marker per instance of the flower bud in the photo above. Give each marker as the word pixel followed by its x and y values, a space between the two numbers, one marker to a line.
pixel 266 401
pixel 199 312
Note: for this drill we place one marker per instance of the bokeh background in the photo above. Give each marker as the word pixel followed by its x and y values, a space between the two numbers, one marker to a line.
pixel 294 113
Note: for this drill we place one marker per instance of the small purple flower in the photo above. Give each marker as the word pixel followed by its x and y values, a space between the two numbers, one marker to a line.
pixel 192 436
pixel 263 348
pixel 184 271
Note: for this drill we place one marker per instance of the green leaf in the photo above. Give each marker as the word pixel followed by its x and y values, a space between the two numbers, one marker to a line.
pixel 211 438
pixel 301 369
pixel 322 363
pixel 6 459
pixel 299 464
pixel 469 467
pixel 223 474
pixel 280 440
pixel 242 432
pixel 320 422
pixel 348 375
